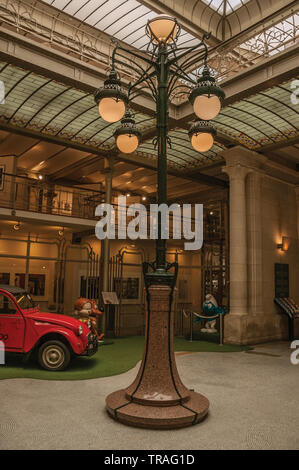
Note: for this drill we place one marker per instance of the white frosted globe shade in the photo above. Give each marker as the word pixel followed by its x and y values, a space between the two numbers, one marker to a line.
pixel 127 143
pixel 162 28
pixel 112 110
pixel 202 142
pixel 207 108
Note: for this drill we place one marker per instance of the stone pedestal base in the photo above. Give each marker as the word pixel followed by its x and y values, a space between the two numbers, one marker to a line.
pixel 157 398
pixel 157 417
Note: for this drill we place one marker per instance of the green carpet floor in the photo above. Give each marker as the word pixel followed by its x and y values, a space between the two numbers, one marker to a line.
pixel 111 359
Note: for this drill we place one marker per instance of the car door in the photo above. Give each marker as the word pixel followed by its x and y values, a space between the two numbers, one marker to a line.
pixel 12 324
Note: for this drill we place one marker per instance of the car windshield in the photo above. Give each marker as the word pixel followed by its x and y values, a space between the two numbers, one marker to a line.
pixel 25 301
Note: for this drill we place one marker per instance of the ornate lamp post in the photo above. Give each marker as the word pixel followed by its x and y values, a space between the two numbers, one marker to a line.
pixel 157 398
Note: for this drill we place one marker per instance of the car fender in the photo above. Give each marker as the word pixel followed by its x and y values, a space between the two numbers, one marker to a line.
pixel 75 342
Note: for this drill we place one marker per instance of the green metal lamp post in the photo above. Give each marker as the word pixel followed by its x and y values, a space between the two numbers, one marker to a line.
pixel 157 398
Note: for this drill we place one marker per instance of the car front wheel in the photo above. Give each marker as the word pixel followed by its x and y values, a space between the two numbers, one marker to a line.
pixel 54 355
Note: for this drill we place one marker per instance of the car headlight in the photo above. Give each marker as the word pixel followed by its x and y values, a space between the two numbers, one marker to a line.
pixel 80 330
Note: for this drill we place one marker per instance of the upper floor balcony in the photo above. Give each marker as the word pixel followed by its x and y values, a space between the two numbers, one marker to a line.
pixel 33 198
pixel 46 202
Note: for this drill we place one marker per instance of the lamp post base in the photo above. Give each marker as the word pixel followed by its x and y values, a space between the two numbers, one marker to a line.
pixel 157 398
pixel 157 417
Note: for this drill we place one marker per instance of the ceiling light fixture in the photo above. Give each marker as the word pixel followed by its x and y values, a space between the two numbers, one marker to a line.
pixel 127 136
pixel 163 29
pixel 206 98
pixel 160 73
pixel 112 99
pixel 202 135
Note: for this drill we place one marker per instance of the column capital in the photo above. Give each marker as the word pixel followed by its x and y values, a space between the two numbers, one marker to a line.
pixel 244 157
pixel 237 172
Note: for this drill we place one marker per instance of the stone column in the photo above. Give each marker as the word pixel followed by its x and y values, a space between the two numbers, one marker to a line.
pixel 238 240
pixel 105 244
pixel 254 222
pixel 246 302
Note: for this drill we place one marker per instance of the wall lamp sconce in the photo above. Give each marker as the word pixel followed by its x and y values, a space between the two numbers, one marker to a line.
pixel 284 245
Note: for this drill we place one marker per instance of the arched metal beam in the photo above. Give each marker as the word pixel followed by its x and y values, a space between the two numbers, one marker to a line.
pixel 278 101
pixel 237 130
pixel 257 117
pixel 110 124
pixel 17 83
pixel 246 124
pixel 28 98
pixel 74 118
pixel 168 153
pixel 64 109
pixel 273 112
pixel 47 104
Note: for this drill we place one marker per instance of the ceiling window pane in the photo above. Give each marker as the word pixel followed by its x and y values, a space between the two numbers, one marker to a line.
pixel 225 6
pixel 123 19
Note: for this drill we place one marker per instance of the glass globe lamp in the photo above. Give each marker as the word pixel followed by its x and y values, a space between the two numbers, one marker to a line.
pixel 163 29
pixel 111 99
pixel 202 135
pixel 127 136
pixel 206 97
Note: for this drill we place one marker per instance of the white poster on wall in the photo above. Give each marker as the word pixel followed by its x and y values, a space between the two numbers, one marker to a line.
pixel 110 298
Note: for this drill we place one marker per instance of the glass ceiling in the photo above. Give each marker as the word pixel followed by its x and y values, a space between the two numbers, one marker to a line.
pixel 181 151
pixel 225 7
pixel 262 119
pixel 51 108
pixel 122 19
pixel 44 105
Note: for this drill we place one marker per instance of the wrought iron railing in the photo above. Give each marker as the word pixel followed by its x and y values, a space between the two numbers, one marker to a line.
pixel 33 195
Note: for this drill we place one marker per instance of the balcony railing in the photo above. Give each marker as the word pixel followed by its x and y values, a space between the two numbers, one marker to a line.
pixel 33 195
pixel 37 196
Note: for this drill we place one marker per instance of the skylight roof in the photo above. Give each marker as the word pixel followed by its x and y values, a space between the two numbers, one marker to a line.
pixel 225 6
pixel 123 19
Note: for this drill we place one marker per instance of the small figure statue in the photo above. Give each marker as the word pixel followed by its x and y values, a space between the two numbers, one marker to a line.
pixel 210 308
pixel 95 313
pixel 87 311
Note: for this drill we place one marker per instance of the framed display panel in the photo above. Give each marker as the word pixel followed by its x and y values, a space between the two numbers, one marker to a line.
pixel 128 289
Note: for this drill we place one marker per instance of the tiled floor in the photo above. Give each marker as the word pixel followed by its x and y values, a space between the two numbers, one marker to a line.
pixel 254 405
